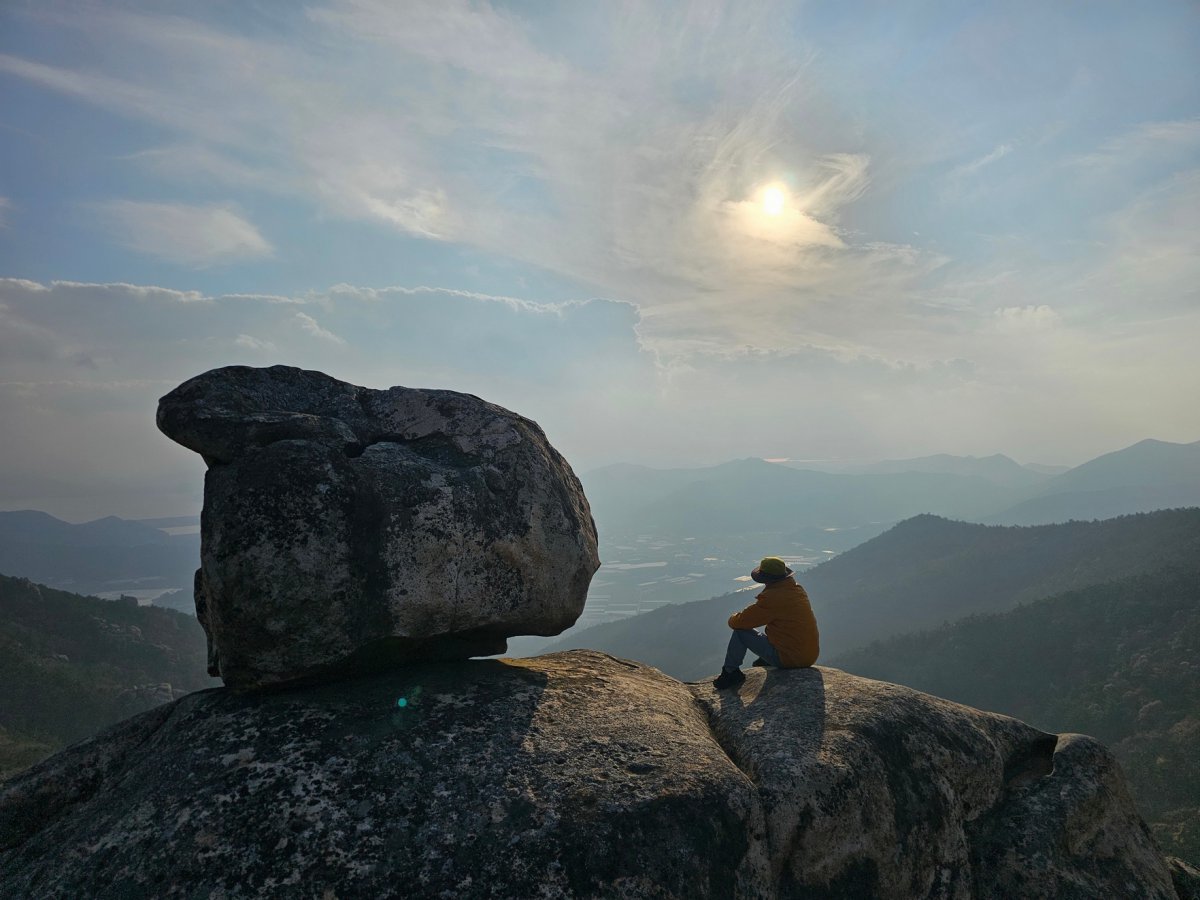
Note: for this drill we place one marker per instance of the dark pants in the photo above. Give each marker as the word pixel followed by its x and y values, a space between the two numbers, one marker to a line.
pixel 744 639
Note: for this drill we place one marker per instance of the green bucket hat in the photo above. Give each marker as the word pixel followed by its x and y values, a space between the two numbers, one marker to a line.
pixel 770 570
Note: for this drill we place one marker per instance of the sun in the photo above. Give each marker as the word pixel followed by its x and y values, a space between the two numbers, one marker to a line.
pixel 774 200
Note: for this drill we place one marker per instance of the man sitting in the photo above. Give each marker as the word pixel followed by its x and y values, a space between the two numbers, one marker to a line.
pixel 791 640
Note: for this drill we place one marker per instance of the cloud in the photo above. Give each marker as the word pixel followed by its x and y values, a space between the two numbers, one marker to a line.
pixel 575 367
pixel 195 163
pixel 1152 249
pixel 970 168
pixel 976 381
pixel 629 151
pixel 1018 319
pixel 462 122
pixel 309 324
pixel 22 339
pixel 121 289
pixel 253 343
pixel 6 206
pixel 1142 143
pixel 178 233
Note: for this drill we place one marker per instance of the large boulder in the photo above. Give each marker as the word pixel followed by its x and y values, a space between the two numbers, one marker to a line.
pixel 576 775
pixel 346 528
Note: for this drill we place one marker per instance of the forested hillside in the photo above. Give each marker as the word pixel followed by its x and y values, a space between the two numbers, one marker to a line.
pixel 71 665
pixel 1120 661
pixel 921 573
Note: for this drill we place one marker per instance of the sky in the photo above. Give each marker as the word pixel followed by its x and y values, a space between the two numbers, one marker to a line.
pixel 672 233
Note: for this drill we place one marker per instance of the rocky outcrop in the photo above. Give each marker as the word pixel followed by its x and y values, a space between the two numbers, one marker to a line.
pixel 875 790
pixel 576 775
pixel 346 528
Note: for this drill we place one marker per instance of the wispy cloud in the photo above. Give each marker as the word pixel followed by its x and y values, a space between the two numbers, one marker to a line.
pixel 456 121
pixel 5 208
pixel 635 162
pixel 179 233
pixel 1144 142
pixel 970 168
pixel 382 294
pixel 252 343
pixel 1018 319
pixel 195 163
pixel 309 324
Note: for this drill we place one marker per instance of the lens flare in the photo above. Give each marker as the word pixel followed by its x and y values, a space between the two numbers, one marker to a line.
pixel 402 702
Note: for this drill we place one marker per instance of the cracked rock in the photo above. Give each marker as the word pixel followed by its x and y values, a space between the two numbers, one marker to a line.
pixel 346 529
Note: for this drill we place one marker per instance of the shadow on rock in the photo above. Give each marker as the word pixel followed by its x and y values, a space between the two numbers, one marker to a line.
pixel 570 775
pixel 801 692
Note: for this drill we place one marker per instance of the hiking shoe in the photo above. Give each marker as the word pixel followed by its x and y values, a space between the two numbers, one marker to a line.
pixel 761 663
pixel 729 678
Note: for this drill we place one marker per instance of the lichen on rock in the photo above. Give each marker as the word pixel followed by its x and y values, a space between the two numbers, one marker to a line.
pixel 577 775
pixel 345 528
pixel 871 789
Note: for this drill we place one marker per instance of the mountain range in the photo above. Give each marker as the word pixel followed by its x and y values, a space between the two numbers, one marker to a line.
pixel 671 534
pixel 923 572
pixel 755 495
pixel 1148 475
pixel 106 555
pixel 997 468
pixel 1119 661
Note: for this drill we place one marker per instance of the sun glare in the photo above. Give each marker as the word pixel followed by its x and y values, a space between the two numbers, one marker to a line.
pixel 773 200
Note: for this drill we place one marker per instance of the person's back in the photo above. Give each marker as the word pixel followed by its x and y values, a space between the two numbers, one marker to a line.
pixel 791 626
pixel 791 640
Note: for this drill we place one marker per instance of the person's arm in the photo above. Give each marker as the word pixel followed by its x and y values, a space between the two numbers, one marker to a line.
pixel 751 617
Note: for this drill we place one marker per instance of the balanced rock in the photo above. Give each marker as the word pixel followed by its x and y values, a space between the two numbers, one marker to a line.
pixel 346 528
pixel 577 775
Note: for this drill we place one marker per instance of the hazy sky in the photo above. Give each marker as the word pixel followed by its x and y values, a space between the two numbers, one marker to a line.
pixel 671 233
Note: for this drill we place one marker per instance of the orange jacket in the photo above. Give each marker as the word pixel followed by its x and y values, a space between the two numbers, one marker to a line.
pixel 791 626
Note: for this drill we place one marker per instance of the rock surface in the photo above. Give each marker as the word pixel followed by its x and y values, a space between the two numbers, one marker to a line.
pixel 346 528
pixel 576 775
pixel 870 789
pixel 1186 878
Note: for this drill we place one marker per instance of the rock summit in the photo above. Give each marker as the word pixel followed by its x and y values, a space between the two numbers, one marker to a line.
pixel 577 775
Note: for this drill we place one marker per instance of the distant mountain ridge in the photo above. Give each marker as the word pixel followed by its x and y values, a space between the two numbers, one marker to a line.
pixel 922 572
pixel 996 468
pixel 108 554
pixel 755 495
pixel 705 519
pixel 1147 463
pixel 31 527
pixel 1147 475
